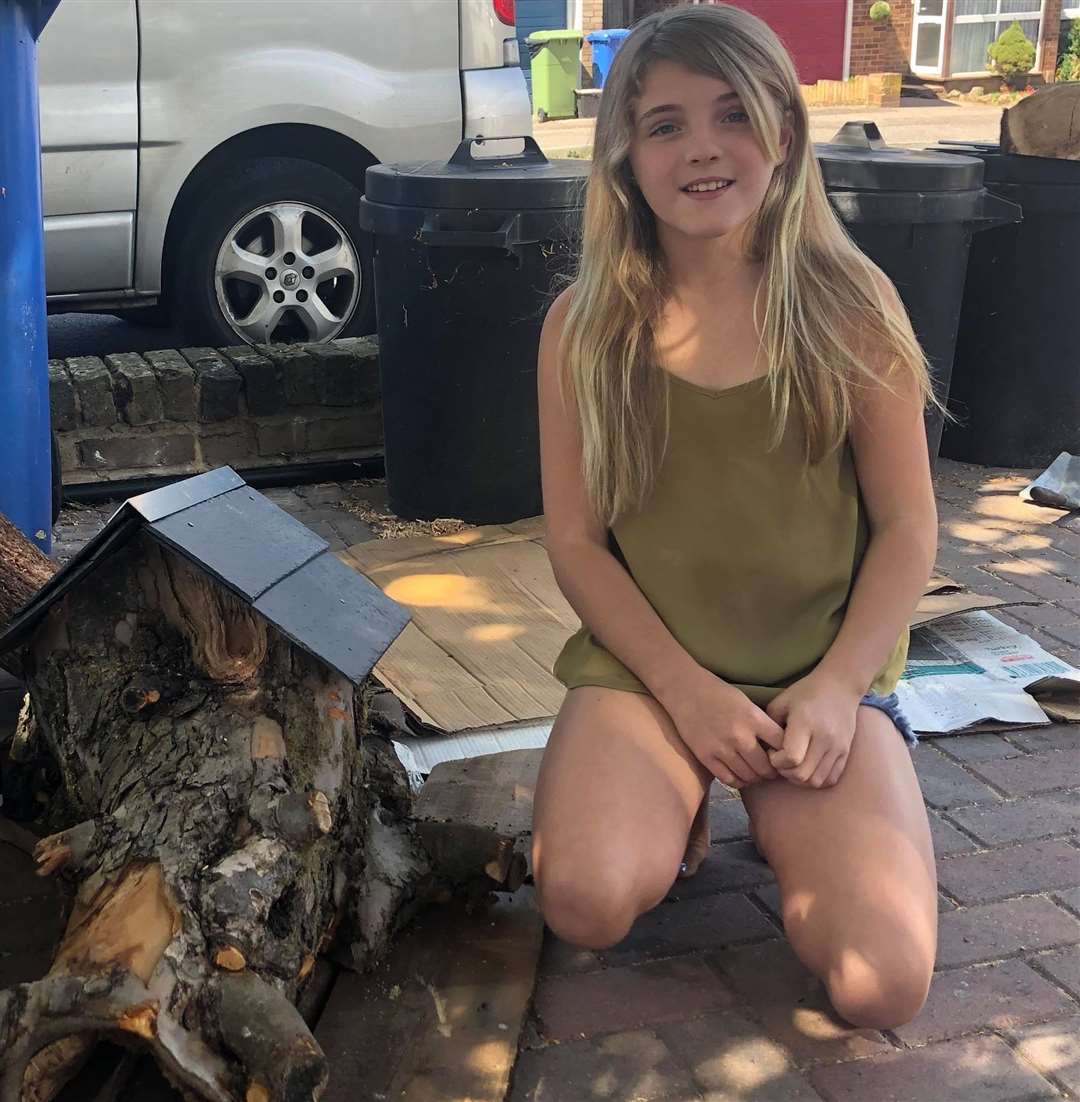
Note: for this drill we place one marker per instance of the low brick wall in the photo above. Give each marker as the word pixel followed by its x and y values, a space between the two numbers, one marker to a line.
pixel 186 411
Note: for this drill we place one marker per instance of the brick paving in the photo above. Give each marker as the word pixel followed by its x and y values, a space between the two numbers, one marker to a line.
pixel 705 1002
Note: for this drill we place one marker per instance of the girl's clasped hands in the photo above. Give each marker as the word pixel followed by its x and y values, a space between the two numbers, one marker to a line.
pixel 803 735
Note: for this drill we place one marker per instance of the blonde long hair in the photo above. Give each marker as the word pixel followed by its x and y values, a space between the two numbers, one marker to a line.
pixel 823 300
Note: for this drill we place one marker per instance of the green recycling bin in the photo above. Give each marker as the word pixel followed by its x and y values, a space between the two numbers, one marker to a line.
pixel 554 62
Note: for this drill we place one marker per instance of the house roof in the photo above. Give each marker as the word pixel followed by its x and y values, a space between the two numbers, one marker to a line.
pixel 282 569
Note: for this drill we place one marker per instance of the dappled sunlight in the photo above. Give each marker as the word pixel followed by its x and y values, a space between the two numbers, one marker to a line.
pixel 819 1023
pixel 1051 1048
pixel 494 633
pixel 1000 538
pixel 454 592
pixel 749 1064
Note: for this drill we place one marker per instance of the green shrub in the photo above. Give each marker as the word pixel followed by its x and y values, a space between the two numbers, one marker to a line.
pixel 879 11
pixel 1013 54
pixel 1069 51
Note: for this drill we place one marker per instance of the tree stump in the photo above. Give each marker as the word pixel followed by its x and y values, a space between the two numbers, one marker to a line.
pixel 1046 124
pixel 226 816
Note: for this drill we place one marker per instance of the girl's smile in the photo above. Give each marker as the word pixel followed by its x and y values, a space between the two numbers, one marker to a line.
pixel 695 155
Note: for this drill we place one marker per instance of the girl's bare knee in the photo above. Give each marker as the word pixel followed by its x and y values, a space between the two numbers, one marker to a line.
pixel 881 988
pixel 587 907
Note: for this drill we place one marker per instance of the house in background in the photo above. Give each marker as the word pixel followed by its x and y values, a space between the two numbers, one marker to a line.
pixel 935 41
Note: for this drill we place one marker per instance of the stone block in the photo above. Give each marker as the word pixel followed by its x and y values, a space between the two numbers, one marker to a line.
pixel 264 381
pixel 997 930
pixel 361 429
pixel 176 380
pixel 1017 870
pixel 343 378
pixel 62 409
pixel 218 384
pixel 123 451
pixel 93 384
pixel 235 448
pixel 298 370
pixel 135 388
pixel 282 437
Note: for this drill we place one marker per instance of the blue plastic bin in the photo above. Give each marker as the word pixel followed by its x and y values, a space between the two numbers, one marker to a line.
pixel 605 45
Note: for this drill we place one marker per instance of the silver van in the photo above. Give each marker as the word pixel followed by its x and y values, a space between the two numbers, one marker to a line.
pixel 203 160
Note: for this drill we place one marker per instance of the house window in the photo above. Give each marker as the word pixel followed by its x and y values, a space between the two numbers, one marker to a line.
pixel 977 23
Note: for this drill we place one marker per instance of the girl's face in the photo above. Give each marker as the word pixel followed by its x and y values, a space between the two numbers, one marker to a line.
pixel 694 154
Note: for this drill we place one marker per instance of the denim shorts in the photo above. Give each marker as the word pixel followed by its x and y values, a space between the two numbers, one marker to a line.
pixel 890 705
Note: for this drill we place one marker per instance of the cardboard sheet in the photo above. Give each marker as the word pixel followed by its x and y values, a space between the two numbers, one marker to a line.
pixel 488 621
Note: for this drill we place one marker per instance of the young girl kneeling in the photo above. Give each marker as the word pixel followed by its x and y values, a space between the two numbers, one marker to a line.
pixel 739 507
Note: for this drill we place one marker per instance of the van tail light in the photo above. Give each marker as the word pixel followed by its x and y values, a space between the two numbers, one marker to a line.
pixel 504 11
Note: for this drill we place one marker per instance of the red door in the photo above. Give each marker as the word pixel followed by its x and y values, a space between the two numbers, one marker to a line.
pixel 812 31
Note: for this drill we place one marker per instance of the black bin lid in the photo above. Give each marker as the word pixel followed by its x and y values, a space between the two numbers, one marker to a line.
pixel 1015 168
pixel 859 159
pixel 523 181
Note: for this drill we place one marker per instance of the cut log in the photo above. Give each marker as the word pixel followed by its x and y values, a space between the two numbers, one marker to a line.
pixel 1046 124
pixel 476 814
pixel 221 813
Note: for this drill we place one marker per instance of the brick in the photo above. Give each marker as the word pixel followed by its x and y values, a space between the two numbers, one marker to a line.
pixel 946 838
pixel 985 746
pixel 1067 633
pixel 298 370
pixel 1071 899
pixel 1063 967
pixel 218 384
pixel 1017 870
pixel 1053 1048
pixel 282 438
pixel 1022 820
pixel 135 389
pixel 351 529
pixel 343 378
pixel 618 999
pixel 995 996
pixel 1047 586
pixel 121 452
pixel 944 783
pixel 792 1004
pixel 322 493
pixel 1046 615
pixel 730 1058
pixel 560 958
pixel 979 1069
pixel 728 866
pixel 360 429
pixel 62 411
pixel 634 1065
pixel 176 379
pixel 677 928
pixel 93 385
pixel 231 447
pixel 1033 773
pixel 727 820
pixel 1055 736
pixel 264 381
pixel 977 934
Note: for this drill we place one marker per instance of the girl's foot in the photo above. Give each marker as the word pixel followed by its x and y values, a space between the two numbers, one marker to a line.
pixel 697 845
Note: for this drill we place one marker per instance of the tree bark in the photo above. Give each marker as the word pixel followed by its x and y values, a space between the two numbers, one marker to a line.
pixel 226 816
pixel 1046 124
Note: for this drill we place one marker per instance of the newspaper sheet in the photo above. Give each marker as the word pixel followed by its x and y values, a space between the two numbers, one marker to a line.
pixel 973 670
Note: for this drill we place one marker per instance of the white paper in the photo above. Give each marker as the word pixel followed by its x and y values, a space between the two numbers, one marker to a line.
pixel 421 755
pixel 974 669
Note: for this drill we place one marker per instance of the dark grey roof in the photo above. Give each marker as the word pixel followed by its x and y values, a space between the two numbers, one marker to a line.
pixel 282 569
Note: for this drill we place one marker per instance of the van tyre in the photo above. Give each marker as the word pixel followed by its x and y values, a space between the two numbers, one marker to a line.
pixel 271 250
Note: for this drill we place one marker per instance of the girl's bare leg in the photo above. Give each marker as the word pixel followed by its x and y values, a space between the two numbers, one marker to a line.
pixel 617 793
pixel 856 874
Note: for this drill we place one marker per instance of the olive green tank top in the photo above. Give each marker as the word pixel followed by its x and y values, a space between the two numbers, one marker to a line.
pixel 747 555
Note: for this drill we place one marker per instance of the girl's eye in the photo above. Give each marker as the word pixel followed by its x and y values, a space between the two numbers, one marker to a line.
pixel 663 128
pixel 738 116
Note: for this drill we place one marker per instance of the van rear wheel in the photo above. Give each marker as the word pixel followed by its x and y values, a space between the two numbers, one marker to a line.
pixel 273 251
